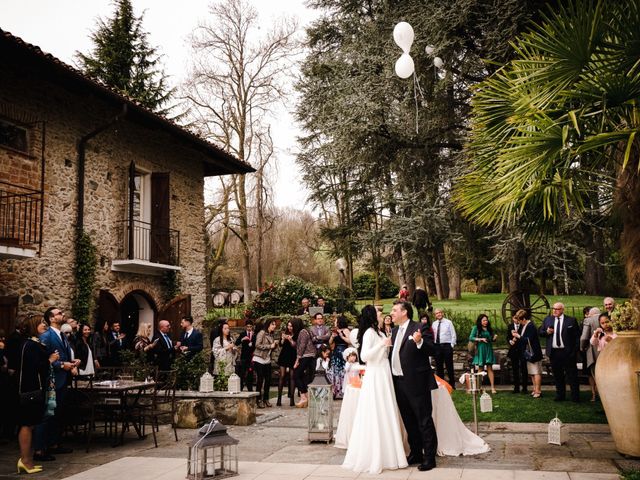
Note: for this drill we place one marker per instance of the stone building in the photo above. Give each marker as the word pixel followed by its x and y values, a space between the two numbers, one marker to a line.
pixel 75 154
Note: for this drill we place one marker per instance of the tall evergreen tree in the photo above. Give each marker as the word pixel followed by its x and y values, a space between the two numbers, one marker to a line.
pixel 123 59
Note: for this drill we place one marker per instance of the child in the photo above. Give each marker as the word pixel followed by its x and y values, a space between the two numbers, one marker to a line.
pixel 352 385
pixel 323 359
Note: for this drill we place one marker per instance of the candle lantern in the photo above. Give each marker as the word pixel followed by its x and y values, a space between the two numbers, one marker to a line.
pixel 557 432
pixel 486 403
pixel 234 383
pixel 320 408
pixel 212 453
pixel 206 382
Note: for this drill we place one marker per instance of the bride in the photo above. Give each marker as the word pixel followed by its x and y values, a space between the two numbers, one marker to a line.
pixel 376 438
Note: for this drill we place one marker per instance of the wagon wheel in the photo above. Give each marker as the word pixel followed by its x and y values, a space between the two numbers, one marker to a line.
pixel 537 306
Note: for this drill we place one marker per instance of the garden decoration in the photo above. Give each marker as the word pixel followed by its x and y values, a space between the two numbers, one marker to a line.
pixel 557 432
pixel 213 453
pixel 320 408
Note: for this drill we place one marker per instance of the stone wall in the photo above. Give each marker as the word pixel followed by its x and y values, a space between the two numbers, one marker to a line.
pixel 68 114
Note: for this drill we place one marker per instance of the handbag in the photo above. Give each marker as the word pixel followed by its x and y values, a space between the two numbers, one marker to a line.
pixel 471 348
pixel 33 397
pixel 528 351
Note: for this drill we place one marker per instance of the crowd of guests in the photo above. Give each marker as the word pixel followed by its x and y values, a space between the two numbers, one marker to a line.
pixel 45 352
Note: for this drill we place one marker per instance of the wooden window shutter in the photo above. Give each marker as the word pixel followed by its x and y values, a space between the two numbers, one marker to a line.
pixel 160 235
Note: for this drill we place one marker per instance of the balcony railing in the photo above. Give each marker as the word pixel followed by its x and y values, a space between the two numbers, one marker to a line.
pixel 149 243
pixel 20 216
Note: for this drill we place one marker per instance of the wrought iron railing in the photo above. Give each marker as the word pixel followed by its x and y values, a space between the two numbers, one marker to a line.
pixel 145 241
pixel 20 216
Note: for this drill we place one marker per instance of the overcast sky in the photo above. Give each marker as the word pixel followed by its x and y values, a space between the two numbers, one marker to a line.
pixel 61 27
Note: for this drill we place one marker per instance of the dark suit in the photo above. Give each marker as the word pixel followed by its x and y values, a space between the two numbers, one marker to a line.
pixel 193 342
pixel 413 390
pixel 49 432
pixel 163 354
pixel 420 299
pixel 244 370
pixel 563 360
pixel 518 364
pixel 115 347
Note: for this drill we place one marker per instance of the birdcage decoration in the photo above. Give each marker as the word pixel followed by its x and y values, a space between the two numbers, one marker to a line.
pixel 213 453
pixel 320 408
pixel 233 383
pixel 486 403
pixel 206 382
pixel 557 431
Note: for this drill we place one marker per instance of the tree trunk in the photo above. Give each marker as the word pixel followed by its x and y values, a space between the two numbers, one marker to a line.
pixel 441 273
pixel 504 285
pixel 591 264
pixel 628 198
pixel 241 200
pixel 455 283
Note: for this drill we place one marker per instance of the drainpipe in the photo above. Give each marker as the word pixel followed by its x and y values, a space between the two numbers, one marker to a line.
pixel 82 144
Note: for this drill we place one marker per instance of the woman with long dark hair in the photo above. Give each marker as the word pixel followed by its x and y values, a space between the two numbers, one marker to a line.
pixel 339 341
pixel 262 360
pixel 483 335
pixel 387 325
pixel 286 360
pixel 224 351
pixel 305 355
pixel 84 351
pixel 376 438
pixel 32 370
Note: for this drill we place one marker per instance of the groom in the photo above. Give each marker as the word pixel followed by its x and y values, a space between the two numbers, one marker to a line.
pixel 413 381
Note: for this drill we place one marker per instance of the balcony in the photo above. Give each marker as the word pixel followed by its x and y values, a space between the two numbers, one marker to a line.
pixel 20 221
pixel 146 249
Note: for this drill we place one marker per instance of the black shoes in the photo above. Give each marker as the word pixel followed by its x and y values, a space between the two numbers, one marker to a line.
pixel 414 459
pixel 60 450
pixel 43 457
pixel 425 467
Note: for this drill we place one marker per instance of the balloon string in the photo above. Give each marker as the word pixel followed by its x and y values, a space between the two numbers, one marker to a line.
pixel 416 90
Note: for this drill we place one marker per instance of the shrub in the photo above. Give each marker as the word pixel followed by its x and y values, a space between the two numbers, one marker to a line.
pixel 221 379
pixel 364 286
pixel 189 371
pixel 465 321
pixel 283 297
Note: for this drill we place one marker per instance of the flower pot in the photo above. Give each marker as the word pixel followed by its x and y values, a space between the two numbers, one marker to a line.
pixel 618 388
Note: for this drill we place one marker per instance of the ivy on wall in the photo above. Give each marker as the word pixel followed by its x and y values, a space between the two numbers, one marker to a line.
pixel 171 284
pixel 84 272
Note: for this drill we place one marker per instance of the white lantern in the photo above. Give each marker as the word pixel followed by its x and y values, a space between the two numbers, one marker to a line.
pixel 429 49
pixel 234 383
pixel 486 404
pixel 557 432
pixel 320 409
pixel 403 36
pixel 206 382
pixel 438 62
pixel 404 66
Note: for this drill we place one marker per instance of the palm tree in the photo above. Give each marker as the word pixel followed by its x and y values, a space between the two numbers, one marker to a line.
pixel 556 130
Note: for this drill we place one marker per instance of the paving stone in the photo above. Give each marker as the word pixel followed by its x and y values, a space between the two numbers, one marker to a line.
pixel 591 465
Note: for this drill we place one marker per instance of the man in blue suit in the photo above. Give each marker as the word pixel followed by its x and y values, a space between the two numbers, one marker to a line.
pixel 563 345
pixel 190 341
pixel 48 433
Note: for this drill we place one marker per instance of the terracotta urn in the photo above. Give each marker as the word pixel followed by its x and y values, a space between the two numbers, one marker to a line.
pixel 618 388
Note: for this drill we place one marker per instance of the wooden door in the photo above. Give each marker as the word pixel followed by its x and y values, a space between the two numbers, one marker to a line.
pixel 8 314
pixel 173 311
pixel 160 238
pixel 108 308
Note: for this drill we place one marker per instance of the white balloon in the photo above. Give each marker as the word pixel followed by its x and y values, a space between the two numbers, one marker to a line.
pixel 438 62
pixel 404 66
pixel 429 49
pixel 403 36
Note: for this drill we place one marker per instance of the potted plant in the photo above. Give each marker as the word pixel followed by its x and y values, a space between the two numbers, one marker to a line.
pixel 617 379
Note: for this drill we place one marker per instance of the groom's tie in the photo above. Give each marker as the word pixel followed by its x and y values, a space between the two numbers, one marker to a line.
pixel 396 366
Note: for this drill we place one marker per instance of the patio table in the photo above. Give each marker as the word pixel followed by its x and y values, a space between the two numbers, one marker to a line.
pixel 124 396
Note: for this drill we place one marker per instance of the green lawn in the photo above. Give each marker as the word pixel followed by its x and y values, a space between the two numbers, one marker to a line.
pixel 510 407
pixel 492 302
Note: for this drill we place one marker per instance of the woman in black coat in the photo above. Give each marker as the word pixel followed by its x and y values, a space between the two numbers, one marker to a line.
pixel 528 343
pixel 31 371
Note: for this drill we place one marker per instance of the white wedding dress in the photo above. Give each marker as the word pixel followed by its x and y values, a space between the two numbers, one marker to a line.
pixel 375 443
pixel 454 438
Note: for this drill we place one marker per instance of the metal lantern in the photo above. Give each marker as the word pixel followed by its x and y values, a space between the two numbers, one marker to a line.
pixel 234 383
pixel 320 408
pixel 212 453
pixel 206 382
pixel 486 404
pixel 557 432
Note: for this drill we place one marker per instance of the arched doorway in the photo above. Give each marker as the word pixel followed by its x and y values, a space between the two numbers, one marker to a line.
pixel 136 307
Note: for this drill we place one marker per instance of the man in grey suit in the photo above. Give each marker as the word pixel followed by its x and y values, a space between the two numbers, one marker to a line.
pixel 591 323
